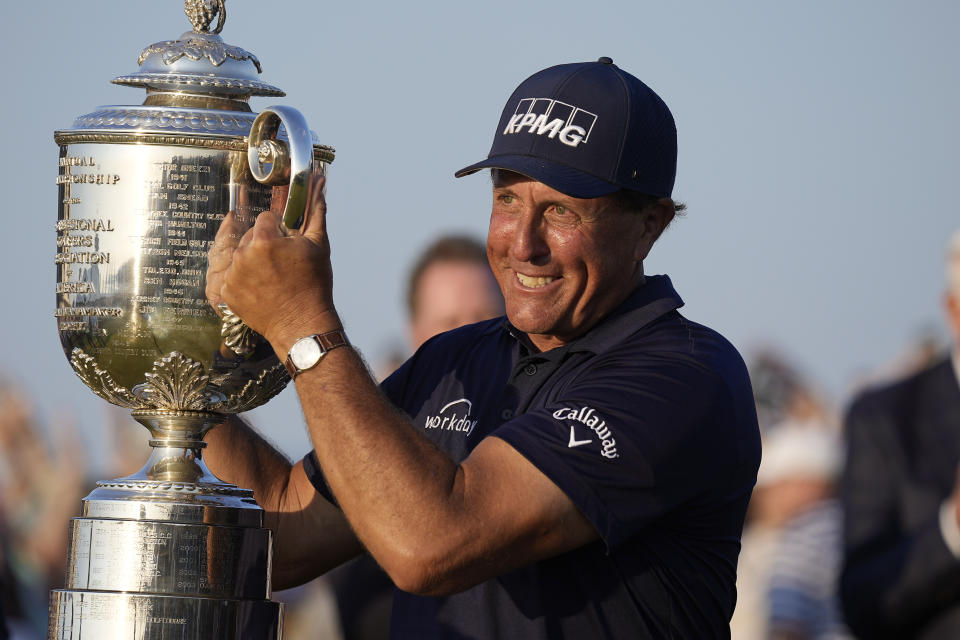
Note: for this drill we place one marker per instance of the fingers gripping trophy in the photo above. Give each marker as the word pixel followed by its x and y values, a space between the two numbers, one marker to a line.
pixel 152 201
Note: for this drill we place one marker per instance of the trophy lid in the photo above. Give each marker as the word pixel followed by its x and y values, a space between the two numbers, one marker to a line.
pixel 199 64
pixel 197 87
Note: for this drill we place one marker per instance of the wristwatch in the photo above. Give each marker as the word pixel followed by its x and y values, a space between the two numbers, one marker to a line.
pixel 307 352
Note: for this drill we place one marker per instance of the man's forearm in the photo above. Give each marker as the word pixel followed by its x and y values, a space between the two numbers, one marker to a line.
pixel 391 482
pixel 311 536
pixel 236 453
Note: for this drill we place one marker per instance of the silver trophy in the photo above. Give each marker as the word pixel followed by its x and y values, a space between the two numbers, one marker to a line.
pixel 152 200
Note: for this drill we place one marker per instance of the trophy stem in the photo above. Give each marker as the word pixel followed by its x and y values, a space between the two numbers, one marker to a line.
pixel 177 445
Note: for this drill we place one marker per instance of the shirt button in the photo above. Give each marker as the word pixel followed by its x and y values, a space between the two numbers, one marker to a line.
pixel 506 414
pixel 530 369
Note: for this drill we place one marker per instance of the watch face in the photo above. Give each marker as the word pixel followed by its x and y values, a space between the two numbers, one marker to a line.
pixel 305 353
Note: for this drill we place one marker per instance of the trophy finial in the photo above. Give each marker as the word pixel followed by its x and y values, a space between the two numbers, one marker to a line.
pixel 202 12
pixel 199 62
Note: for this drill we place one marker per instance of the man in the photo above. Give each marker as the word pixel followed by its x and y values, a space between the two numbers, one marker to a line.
pixel 578 470
pixel 901 577
pixel 450 285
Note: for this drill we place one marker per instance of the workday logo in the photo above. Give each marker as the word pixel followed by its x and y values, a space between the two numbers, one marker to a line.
pixel 552 118
pixel 454 416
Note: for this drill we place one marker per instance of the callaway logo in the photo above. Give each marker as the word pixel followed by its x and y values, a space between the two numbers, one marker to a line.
pixel 588 417
pixel 573 440
pixel 543 116
pixel 450 420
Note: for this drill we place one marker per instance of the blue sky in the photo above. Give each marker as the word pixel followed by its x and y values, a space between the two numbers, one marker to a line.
pixel 818 156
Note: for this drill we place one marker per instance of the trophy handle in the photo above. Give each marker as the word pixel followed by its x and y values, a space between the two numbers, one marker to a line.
pixel 273 163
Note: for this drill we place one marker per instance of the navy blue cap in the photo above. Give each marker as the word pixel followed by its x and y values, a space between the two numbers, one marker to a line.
pixel 587 130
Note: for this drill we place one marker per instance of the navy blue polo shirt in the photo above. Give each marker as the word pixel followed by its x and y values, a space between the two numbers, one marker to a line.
pixel 647 423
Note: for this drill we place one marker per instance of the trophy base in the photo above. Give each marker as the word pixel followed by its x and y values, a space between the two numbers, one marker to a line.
pixel 102 615
pixel 168 552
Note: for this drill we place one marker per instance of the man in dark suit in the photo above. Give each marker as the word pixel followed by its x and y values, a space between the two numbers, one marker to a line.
pixel 900 491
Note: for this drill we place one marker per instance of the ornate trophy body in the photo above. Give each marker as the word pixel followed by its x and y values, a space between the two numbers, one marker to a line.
pixel 152 199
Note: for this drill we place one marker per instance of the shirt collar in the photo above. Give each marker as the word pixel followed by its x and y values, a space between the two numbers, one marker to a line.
pixel 653 299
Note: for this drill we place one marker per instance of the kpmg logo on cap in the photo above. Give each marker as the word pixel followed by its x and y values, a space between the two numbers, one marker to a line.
pixel 544 116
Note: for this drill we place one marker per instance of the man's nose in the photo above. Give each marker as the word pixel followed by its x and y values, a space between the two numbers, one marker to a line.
pixel 529 241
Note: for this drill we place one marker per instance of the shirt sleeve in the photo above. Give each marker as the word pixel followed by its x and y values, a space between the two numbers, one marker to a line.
pixel 315 475
pixel 630 440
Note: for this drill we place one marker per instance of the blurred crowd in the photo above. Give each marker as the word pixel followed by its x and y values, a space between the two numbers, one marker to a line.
pixel 853 528
pixel 43 476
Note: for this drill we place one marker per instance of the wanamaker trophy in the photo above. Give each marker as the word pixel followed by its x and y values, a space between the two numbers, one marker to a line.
pixel 151 199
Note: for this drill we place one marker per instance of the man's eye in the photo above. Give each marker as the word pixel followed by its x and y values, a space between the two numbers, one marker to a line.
pixel 506 199
pixel 559 208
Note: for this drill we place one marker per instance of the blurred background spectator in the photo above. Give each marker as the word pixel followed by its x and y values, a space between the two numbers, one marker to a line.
pixel 796 491
pixel 450 285
pixel 791 546
pixel 901 577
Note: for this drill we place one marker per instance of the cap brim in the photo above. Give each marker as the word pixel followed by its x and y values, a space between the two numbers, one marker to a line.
pixel 564 179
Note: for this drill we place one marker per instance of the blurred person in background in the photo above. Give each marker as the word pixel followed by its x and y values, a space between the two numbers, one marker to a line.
pixel 449 285
pixel 41 483
pixel 796 489
pixel 901 577
pixel 780 392
pixel 792 544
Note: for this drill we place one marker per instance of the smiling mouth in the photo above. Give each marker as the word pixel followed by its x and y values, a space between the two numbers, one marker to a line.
pixel 534 282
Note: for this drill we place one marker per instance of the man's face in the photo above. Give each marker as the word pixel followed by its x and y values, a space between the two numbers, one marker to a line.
pixel 450 294
pixel 563 263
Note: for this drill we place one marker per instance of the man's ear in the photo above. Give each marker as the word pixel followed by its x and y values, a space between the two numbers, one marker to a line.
pixel 657 217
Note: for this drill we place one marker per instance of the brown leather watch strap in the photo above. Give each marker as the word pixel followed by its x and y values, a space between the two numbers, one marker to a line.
pixel 332 340
pixel 327 341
